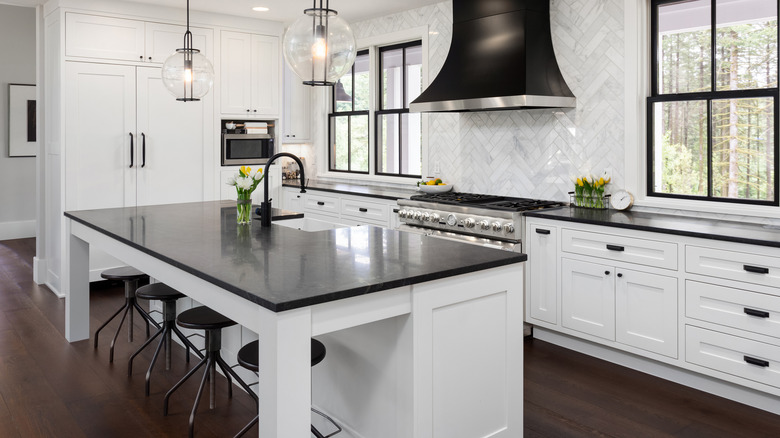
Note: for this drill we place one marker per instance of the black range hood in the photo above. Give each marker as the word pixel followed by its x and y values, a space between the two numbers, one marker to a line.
pixel 501 58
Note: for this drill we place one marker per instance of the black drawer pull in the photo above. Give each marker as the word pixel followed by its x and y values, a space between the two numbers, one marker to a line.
pixel 542 231
pixel 757 362
pixel 615 248
pixel 320 203
pixel 755 269
pixel 362 210
pixel 395 210
pixel 758 313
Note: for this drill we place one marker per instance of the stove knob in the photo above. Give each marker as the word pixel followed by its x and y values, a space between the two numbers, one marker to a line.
pixel 469 223
pixel 426 217
pixel 402 213
pixel 509 228
pixel 485 225
pixel 435 217
pixel 496 226
pixel 418 215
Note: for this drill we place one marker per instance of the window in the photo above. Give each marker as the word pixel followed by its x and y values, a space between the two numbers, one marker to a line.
pixel 713 109
pixel 379 98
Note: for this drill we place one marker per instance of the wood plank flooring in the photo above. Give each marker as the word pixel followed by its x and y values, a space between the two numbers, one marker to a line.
pixel 50 388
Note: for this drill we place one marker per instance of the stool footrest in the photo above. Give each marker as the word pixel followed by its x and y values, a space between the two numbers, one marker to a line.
pixel 330 420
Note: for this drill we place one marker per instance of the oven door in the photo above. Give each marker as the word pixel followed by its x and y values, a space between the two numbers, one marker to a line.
pixel 242 149
pixel 463 238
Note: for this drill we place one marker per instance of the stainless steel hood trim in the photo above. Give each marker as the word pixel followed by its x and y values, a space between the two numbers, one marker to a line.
pixel 501 102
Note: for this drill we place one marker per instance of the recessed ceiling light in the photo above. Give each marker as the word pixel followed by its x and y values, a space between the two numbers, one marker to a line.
pixel 260 9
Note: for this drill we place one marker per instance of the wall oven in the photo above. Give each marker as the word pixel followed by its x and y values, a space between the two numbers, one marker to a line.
pixel 246 145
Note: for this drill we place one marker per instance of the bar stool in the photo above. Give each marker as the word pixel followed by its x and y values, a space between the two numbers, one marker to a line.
pixel 247 358
pixel 168 296
pixel 130 276
pixel 203 318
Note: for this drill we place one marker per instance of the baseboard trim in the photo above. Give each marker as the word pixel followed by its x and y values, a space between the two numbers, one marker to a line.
pixel 17 230
pixel 711 385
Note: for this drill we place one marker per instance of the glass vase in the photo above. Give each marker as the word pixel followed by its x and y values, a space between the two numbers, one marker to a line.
pixel 244 209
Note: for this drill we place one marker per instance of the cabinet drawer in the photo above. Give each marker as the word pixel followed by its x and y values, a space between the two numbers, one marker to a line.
pixel 321 204
pixel 621 248
pixel 360 209
pixel 741 309
pixel 732 354
pixel 733 265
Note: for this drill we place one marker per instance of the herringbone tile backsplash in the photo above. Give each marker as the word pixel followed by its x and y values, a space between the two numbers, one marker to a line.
pixel 531 153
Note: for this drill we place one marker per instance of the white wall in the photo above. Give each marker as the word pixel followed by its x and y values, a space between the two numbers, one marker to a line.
pixel 17 175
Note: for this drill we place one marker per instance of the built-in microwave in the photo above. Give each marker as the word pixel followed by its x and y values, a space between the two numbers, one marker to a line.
pixel 242 145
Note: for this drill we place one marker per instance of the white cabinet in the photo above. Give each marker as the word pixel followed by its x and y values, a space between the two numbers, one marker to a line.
pixel 588 298
pixel 542 268
pixel 293 199
pixel 128 142
pixel 297 109
pixel 120 39
pixel 249 74
pixel 646 311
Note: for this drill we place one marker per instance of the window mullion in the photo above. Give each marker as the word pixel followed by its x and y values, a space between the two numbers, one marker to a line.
pixel 710 133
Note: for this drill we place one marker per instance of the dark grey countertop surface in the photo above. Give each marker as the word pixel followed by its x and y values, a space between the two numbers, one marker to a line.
pixel 282 268
pixel 731 231
pixel 379 192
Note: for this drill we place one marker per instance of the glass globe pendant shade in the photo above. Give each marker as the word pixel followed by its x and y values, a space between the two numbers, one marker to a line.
pixel 319 47
pixel 188 75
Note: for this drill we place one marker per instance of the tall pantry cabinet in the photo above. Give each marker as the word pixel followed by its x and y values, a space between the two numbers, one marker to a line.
pixel 114 136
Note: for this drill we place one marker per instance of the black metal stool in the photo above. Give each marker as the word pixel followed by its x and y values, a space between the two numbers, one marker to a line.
pixel 203 318
pixel 168 296
pixel 130 276
pixel 247 358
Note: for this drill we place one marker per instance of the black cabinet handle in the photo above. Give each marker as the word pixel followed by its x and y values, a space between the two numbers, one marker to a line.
pixel 131 150
pixel 606 272
pixel 542 231
pixel 395 210
pixel 755 269
pixel 757 362
pixel 320 203
pixel 615 248
pixel 362 210
pixel 758 313
pixel 620 275
pixel 143 149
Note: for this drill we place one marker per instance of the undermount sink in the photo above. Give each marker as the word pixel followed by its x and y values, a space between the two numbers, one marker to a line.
pixel 308 224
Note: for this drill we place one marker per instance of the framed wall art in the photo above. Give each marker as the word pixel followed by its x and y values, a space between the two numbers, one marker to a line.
pixel 22 126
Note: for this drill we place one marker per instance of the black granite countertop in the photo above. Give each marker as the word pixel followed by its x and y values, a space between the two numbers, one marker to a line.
pixel 390 193
pixel 282 268
pixel 741 232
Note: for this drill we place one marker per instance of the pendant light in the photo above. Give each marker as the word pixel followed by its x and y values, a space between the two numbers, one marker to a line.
pixel 187 74
pixel 320 47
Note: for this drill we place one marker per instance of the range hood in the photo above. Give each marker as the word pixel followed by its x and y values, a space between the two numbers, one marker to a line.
pixel 501 58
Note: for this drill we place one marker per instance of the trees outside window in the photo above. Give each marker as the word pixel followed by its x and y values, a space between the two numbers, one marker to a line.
pixel 713 109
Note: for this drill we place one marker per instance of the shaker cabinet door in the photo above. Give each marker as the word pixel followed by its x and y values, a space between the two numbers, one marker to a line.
pixel 588 298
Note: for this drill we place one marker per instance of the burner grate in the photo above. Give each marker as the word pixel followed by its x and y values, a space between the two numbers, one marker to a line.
pixel 493 202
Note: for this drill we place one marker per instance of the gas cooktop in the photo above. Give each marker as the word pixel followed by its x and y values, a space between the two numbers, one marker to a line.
pixel 493 202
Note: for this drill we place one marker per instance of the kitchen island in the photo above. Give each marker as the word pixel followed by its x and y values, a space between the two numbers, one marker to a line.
pixel 458 351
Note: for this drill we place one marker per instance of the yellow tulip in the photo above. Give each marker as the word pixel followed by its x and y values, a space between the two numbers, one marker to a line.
pixel 601 181
pixel 579 182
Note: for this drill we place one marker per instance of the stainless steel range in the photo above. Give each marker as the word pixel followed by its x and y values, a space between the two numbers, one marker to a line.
pixel 488 220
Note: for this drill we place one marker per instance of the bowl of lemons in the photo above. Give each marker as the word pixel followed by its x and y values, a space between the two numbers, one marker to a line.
pixel 434 186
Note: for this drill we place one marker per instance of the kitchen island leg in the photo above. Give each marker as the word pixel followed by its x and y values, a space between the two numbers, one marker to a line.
pixel 76 285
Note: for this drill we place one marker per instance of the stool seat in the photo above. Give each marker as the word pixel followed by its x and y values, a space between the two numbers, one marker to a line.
pixel 203 318
pixel 158 291
pixel 247 355
pixel 122 273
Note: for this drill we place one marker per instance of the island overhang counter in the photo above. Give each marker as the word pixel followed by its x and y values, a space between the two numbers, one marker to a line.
pixel 461 345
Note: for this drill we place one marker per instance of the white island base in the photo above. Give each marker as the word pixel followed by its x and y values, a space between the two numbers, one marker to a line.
pixel 440 359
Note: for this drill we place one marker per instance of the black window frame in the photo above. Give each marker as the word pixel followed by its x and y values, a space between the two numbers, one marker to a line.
pixel 397 111
pixel 707 96
pixel 333 114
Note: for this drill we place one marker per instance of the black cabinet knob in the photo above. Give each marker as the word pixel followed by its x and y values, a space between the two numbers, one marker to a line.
pixel 606 272
pixel 620 275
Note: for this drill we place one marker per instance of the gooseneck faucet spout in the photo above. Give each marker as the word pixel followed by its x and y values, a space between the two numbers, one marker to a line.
pixel 265 206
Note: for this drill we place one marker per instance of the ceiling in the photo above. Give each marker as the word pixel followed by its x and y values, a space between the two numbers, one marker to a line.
pixel 279 10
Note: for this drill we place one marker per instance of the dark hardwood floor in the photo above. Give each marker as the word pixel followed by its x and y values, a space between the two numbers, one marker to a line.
pixel 50 388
